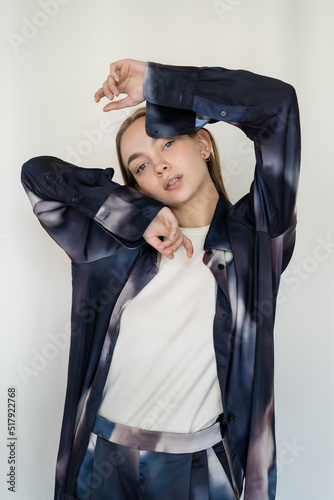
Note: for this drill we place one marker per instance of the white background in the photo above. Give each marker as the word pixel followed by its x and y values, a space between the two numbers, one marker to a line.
pixel 53 59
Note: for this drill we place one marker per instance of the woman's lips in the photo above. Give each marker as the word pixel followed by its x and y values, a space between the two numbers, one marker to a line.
pixel 172 182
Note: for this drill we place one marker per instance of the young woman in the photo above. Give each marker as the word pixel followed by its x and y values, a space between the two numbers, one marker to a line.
pixel 170 381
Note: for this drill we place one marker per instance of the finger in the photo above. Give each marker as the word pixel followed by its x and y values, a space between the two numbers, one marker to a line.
pixel 156 243
pixel 173 235
pixel 112 85
pixel 174 241
pixel 111 81
pixel 107 92
pixel 173 229
pixel 114 75
pixel 182 240
pixel 99 94
pixel 187 243
pixel 115 69
pixel 169 248
pixel 126 102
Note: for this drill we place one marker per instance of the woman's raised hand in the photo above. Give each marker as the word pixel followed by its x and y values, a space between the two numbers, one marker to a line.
pixel 166 224
pixel 126 77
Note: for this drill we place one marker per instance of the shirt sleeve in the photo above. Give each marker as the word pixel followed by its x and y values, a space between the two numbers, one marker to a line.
pixel 180 100
pixel 82 207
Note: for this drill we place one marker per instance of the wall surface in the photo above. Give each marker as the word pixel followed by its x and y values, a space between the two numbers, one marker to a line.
pixel 54 56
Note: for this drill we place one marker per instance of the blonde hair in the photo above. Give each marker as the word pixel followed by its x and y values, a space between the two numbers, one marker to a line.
pixel 213 163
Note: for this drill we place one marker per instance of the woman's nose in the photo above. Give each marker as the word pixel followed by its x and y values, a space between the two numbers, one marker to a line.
pixel 161 167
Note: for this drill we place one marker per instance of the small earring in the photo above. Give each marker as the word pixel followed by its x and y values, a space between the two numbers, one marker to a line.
pixel 207 159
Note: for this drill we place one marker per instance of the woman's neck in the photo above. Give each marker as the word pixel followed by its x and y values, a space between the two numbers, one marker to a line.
pixel 197 212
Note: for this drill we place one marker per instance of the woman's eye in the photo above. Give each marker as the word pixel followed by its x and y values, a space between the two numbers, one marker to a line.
pixel 168 144
pixel 141 167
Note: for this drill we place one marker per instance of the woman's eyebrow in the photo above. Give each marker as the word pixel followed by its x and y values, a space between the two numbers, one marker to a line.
pixel 134 156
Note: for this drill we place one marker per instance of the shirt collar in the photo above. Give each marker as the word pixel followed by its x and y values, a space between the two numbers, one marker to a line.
pixel 217 235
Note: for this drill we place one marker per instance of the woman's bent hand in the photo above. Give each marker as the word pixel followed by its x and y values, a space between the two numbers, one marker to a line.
pixel 126 77
pixel 166 224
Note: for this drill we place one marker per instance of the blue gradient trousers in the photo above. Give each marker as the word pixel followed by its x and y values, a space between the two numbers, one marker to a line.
pixel 123 463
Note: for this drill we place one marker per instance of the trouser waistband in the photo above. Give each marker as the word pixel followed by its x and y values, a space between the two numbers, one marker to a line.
pixel 167 442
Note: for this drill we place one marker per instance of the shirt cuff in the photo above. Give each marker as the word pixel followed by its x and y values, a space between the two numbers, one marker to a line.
pixel 171 86
pixel 126 214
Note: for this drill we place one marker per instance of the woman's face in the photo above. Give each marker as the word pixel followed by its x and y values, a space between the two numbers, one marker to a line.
pixel 170 170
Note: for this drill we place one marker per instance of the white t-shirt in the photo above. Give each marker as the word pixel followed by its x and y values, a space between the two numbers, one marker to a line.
pixel 163 374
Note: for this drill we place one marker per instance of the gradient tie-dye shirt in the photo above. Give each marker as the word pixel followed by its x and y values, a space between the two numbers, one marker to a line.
pixel 100 225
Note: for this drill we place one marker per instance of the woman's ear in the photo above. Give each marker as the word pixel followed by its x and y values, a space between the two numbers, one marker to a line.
pixel 204 142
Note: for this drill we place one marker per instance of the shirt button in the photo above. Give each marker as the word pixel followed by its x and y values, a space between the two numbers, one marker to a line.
pixel 223 113
pixel 221 266
pixel 232 418
pixel 75 200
